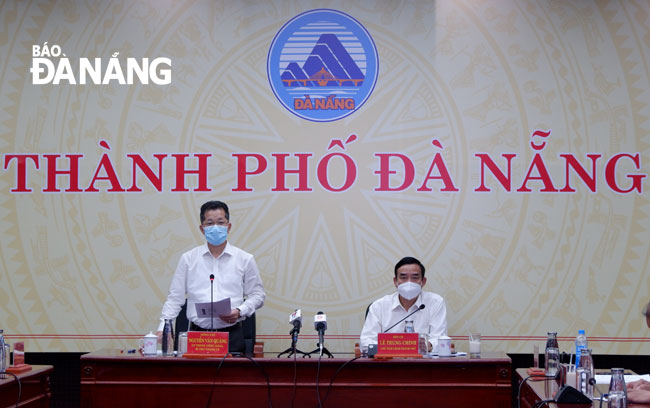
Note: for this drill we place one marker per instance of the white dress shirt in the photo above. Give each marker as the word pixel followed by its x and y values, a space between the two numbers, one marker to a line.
pixel 235 276
pixel 387 311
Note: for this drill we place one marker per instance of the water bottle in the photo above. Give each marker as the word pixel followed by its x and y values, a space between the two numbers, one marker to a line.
pixel 581 343
pixel 552 354
pixel 168 339
pixel 551 340
pixel 3 355
pixel 182 343
pixel 585 372
pixel 617 392
pixel 409 327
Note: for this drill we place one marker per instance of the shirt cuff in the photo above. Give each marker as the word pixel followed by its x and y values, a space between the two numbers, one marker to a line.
pixel 244 310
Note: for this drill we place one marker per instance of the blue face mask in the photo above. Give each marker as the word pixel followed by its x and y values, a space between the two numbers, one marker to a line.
pixel 216 234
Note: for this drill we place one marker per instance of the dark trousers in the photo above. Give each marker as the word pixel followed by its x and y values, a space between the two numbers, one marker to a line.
pixel 235 336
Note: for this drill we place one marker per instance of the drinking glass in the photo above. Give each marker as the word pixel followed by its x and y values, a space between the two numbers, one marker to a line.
pixel 617 391
pixel 475 345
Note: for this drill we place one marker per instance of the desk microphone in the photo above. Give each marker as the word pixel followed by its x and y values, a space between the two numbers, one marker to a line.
pixel 592 382
pixel 211 302
pixel 569 395
pixel 320 324
pixel 296 320
pixel 404 318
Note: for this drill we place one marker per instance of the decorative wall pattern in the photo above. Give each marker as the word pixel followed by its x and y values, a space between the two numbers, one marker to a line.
pixel 460 84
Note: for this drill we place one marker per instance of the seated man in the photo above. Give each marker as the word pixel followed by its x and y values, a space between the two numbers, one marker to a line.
pixel 385 312
pixel 639 391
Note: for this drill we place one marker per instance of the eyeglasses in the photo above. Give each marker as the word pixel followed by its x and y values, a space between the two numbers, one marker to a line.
pixel 219 223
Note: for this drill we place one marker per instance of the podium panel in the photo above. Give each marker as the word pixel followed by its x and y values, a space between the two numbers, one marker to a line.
pixel 112 379
pixel 35 388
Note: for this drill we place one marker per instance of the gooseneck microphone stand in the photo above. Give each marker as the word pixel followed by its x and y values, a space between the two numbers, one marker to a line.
pixel 211 302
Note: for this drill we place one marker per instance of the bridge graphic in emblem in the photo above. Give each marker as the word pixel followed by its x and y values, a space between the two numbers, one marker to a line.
pixel 328 64
pixel 322 78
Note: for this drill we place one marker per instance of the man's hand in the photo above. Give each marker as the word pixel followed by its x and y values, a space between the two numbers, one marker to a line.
pixel 638 391
pixel 231 317
pixel 638 385
pixel 639 396
pixel 159 335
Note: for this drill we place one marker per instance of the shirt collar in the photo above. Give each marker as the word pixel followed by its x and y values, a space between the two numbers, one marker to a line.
pixel 227 250
pixel 396 304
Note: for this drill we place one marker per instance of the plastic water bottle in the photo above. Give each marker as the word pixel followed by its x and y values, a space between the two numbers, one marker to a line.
pixel 584 373
pixel 581 343
pixel 617 390
pixel 409 327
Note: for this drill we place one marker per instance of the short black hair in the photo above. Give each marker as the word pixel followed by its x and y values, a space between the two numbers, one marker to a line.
pixel 409 260
pixel 214 205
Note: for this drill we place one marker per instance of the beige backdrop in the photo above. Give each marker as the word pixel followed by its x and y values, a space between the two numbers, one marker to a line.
pixel 80 268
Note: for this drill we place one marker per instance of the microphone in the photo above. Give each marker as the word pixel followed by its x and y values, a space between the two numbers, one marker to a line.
pixel 569 395
pixel 592 382
pixel 296 320
pixel 320 324
pixel 211 302
pixel 404 318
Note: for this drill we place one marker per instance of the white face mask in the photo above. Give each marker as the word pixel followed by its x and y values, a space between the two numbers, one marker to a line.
pixel 409 290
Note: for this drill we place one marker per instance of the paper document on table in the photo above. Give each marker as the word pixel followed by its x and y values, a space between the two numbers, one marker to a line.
pixel 220 307
pixel 454 354
pixel 605 378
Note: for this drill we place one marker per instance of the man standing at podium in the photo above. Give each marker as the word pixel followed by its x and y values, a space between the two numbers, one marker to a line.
pixel 428 308
pixel 235 276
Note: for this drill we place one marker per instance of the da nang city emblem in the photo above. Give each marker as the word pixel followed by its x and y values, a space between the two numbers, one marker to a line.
pixel 322 65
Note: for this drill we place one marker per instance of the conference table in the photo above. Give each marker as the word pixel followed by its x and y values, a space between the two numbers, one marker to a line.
pixel 535 390
pixel 34 388
pixel 114 378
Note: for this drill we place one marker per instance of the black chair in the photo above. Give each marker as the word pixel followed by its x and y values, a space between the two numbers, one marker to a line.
pixel 249 334
pixel 367 310
pixel 357 351
pixel 248 327
pixel 181 325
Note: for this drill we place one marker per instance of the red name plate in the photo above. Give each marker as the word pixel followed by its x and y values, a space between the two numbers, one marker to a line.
pixel 19 353
pixel 206 344
pixel 397 345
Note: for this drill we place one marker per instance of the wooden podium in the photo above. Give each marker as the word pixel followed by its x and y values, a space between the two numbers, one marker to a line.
pixel 111 379
pixel 35 388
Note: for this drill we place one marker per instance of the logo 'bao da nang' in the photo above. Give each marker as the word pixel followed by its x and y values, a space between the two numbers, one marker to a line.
pixel 322 65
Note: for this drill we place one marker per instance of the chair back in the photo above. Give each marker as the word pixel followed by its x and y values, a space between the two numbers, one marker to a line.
pixel 249 334
pixel 181 324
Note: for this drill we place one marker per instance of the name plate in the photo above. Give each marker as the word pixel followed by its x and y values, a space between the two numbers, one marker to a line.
pixel 397 345
pixel 206 344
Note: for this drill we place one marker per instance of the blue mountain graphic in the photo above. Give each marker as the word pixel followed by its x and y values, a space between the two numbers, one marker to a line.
pixel 328 64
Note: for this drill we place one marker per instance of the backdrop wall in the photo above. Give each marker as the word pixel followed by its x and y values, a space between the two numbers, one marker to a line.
pixel 463 149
